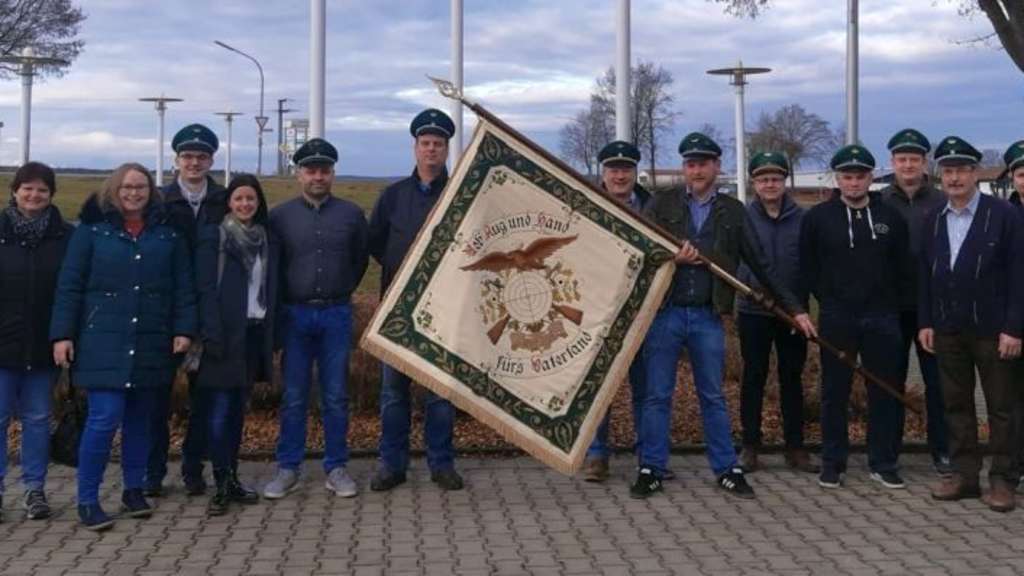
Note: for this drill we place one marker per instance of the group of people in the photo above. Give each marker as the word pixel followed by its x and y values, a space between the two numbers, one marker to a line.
pixel 210 279
pixel 907 266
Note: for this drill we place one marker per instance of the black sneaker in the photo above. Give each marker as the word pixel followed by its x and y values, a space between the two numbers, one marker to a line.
pixel 830 479
pixel 194 485
pixel 384 480
pixel 238 492
pixel 36 507
pixel 134 504
pixel 94 518
pixel 889 480
pixel 735 483
pixel 153 491
pixel 646 484
pixel 943 466
pixel 447 479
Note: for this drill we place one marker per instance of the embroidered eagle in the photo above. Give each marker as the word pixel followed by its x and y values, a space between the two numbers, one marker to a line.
pixel 530 258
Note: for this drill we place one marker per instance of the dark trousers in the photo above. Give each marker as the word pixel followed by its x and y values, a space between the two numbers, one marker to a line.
pixel 225 408
pixel 938 437
pixel 959 355
pixel 877 339
pixel 193 449
pixel 757 335
pixel 1017 421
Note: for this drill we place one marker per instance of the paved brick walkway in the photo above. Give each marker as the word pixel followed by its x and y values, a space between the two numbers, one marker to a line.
pixel 516 517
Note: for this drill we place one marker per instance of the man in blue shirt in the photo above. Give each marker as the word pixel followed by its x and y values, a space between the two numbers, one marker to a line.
pixel 397 217
pixel 970 315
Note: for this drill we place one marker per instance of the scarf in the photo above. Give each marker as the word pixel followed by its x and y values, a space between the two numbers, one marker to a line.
pixel 28 230
pixel 246 243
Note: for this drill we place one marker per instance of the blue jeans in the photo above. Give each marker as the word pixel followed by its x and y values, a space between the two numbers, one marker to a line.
pixel 226 410
pixel 27 394
pixel 599 448
pixel 699 330
pixel 878 340
pixel 323 334
pixel 130 410
pixel 193 448
pixel 395 416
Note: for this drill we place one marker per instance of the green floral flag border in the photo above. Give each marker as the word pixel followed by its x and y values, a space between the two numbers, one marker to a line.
pixel 398 338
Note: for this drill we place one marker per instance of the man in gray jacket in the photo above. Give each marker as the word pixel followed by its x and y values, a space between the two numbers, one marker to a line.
pixel 913 196
pixel 776 219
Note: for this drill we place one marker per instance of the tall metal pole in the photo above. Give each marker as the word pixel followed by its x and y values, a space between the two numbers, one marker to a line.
pixel 739 75
pixel 261 120
pixel 623 81
pixel 281 110
pixel 161 107
pixel 741 140
pixel 229 117
pixel 317 66
pixel 455 149
pixel 852 72
pixel 28 62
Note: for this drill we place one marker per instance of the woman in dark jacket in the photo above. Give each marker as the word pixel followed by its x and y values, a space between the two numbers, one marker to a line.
pixel 33 237
pixel 125 304
pixel 236 275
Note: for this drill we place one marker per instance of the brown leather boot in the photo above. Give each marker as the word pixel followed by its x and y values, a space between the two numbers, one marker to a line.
pixel 955 488
pixel 748 458
pixel 595 470
pixel 800 459
pixel 1000 498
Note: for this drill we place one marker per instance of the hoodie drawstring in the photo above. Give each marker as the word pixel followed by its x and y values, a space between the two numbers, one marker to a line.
pixel 849 224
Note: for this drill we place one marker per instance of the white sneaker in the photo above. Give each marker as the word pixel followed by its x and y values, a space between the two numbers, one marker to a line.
pixel 282 484
pixel 339 482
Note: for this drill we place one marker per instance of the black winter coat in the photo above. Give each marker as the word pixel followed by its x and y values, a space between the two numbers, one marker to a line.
pixel 211 210
pixel 28 280
pixel 223 312
pixel 122 300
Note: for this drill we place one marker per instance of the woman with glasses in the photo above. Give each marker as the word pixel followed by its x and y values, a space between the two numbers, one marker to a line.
pixel 33 237
pixel 236 276
pixel 125 304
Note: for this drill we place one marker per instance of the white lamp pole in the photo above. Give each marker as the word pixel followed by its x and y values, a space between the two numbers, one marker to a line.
pixel 229 117
pixel 317 66
pixel 739 74
pixel 623 122
pixel 261 120
pixel 28 61
pixel 852 72
pixel 161 107
pixel 457 67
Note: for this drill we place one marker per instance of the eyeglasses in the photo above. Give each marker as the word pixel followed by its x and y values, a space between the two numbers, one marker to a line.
pixel 133 187
pixel 194 157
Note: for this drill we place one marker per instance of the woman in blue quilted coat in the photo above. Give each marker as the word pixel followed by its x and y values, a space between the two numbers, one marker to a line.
pixel 125 304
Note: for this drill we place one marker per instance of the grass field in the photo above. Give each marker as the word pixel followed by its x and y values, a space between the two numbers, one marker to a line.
pixel 73 190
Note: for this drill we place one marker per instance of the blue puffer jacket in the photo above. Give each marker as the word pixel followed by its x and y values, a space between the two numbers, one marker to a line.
pixel 122 300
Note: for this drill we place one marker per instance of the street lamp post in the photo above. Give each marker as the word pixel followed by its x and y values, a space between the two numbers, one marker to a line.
pixel 457 70
pixel 623 82
pixel 739 74
pixel 852 71
pixel 317 66
pixel 161 107
pixel 28 62
pixel 281 110
pixel 229 117
pixel 261 120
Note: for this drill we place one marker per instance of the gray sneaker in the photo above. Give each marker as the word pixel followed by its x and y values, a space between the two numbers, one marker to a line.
pixel 282 484
pixel 339 482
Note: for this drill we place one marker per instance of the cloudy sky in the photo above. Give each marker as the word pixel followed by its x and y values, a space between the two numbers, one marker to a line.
pixel 533 62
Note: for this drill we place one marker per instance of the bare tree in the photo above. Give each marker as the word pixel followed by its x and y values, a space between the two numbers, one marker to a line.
pixel 50 27
pixel 728 145
pixel 652 107
pixel 1006 17
pixel 798 134
pixel 583 137
pixel 991 158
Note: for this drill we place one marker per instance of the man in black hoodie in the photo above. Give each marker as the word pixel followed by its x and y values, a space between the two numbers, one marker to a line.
pixel 854 259
pixel 913 196
pixel 193 200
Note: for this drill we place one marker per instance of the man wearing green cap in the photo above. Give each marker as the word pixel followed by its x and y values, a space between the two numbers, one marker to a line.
pixel 913 196
pixel 854 258
pixel 193 200
pixel 776 219
pixel 708 222
pixel 1014 160
pixel 970 315
pixel 618 161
